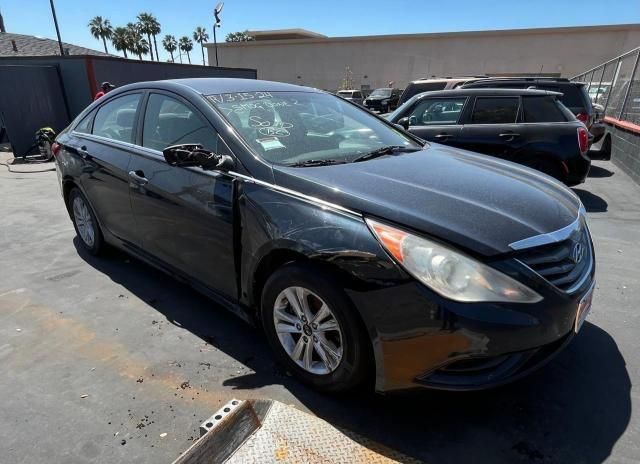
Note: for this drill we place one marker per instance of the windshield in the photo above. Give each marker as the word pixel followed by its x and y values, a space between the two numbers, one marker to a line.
pixel 295 127
pixel 381 93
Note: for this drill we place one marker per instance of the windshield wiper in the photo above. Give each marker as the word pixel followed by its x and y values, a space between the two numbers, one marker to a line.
pixel 389 150
pixel 315 162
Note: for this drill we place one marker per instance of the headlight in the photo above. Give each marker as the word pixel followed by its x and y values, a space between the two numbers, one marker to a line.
pixel 447 272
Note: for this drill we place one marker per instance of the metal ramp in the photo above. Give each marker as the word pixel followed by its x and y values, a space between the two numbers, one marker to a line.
pixel 267 431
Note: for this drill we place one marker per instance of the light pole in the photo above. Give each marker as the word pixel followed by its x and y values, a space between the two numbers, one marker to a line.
pixel 55 22
pixel 216 13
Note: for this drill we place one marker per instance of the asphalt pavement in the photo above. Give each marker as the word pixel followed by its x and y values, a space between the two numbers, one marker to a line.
pixel 108 360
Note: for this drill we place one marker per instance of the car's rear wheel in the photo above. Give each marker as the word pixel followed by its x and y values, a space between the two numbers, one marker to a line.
pixel 312 328
pixel 85 223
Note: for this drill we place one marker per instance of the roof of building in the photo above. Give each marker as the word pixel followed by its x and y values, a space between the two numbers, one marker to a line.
pixel 29 45
pixel 284 34
pixel 298 36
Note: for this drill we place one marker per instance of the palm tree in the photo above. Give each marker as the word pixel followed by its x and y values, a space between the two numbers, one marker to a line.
pixel 155 30
pixel 137 44
pixel 101 29
pixel 169 43
pixel 145 21
pixel 200 35
pixel 120 40
pixel 186 45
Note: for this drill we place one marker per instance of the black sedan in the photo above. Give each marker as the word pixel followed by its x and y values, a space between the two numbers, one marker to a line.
pixel 356 247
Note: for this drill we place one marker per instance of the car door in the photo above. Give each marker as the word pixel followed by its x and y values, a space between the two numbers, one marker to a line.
pixel 436 119
pixel 492 127
pixel 184 215
pixel 103 142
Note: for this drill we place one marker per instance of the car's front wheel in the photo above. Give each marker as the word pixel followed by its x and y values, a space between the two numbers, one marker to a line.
pixel 85 223
pixel 313 329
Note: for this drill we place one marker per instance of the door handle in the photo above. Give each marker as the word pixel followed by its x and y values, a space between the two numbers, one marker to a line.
pixel 138 177
pixel 442 136
pixel 511 135
pixel 82 151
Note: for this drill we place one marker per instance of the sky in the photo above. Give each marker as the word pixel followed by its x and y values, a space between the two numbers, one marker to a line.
pixel 329 17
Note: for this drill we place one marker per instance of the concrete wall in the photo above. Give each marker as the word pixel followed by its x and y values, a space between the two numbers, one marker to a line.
pixel 625 151
pixel 377 60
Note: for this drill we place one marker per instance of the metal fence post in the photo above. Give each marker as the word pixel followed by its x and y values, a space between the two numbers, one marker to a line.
pixel 626 94
pixel 615 71
pixel 604 68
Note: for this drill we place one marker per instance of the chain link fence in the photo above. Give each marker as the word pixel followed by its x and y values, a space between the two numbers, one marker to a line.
pixel 616 86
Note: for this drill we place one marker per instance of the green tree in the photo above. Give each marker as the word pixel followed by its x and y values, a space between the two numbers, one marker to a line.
pixel 186 45
pixel 146 27
pixel 120 40
pixel 101 29
pixel 242 36
pixel 200 35
pixel 170 44
pixel 137 43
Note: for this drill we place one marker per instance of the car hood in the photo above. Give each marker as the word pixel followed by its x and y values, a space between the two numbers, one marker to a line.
pixel 379 98
pixel 476 202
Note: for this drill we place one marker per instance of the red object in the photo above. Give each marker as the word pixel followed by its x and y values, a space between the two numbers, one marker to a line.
pixel 55 148
pixel 583 117
pixel 98 95
pixel 631 127
pixel 583 140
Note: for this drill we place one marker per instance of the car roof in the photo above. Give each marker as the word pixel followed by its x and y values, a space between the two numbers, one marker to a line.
pixel 525 80
pixel 216 85
pixel 488 91
pixel 444 79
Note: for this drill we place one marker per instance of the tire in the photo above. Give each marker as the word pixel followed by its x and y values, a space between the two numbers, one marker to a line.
pixel 324 371
pixel 605 150
pixel 85 223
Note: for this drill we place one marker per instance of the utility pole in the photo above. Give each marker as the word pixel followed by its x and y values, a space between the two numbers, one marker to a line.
pixel 216 13
pixel 55 21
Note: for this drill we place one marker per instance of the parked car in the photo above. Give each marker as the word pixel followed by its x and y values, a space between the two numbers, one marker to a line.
pixel 383 100
pixel 432 84
pixel 574 94
pixel 530 127
pixel 355 246
pixel 355 96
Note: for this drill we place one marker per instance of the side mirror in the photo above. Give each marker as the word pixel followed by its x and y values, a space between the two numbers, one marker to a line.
pixel 404 122
pixel 189 154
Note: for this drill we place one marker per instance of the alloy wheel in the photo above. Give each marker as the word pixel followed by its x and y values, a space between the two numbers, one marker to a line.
pixel 308 330
pixel 84 222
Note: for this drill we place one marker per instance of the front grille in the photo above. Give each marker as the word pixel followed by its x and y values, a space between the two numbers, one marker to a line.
pixel 558 262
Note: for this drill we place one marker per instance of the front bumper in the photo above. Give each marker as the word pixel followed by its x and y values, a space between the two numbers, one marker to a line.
pixel 423 340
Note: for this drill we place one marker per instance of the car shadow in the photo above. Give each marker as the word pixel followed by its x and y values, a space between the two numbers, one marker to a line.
pixel 599 172
pixel 592 203
pixel 573 410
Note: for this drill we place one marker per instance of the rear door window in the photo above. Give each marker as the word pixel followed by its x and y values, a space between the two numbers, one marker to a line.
pixel 168 121
pixel 435 111
pixel 115 119
pixel 495 110
pixel 542 109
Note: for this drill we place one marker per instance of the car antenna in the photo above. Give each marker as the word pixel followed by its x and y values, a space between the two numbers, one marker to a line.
pixel 541 68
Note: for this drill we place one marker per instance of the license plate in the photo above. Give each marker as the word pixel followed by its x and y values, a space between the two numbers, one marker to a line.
pixel 583 308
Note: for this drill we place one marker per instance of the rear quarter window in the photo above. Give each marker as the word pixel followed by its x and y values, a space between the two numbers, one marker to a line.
pixel 542 109
pixel 572 95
